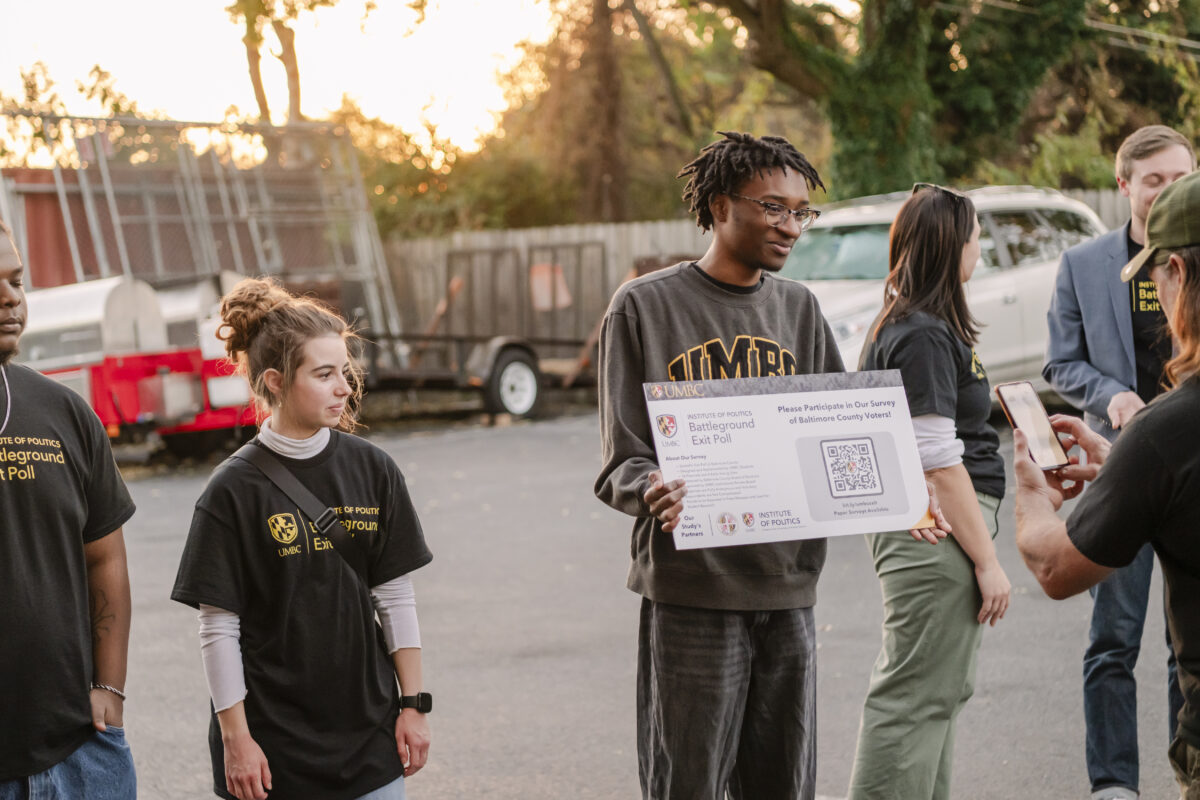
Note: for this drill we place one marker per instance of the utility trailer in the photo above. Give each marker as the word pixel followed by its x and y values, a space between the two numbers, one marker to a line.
pixel 509 321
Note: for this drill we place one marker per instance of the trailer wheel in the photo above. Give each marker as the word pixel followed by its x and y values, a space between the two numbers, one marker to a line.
pixel 514 386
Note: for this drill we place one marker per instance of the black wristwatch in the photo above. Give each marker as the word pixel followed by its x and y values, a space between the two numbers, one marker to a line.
pixel 422 702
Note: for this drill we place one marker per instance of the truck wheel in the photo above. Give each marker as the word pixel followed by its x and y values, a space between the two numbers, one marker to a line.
pixel 514 386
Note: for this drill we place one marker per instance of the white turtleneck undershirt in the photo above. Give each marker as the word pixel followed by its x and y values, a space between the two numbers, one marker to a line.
pixel 220 630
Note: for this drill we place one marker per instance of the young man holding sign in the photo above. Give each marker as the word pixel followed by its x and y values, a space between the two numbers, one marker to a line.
pixel 726 661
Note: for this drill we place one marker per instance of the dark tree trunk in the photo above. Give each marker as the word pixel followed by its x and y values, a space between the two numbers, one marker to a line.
pixel 606 183
pixel 287 54
pixel 882 114
pixel 254 63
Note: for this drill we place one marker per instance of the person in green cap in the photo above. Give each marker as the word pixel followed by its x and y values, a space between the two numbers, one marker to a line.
pixel 1147 486
pixel 1105 351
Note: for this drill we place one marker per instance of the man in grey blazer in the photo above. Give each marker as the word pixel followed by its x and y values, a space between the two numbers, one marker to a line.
pixel 1108 343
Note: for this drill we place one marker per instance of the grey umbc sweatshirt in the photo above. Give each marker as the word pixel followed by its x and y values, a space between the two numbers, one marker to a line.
pixel 677 325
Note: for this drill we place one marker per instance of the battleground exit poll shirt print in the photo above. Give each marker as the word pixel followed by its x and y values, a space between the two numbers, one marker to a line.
pixel 788 457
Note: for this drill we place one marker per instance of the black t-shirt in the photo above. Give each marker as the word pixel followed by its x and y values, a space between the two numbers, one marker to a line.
pixel 1149 491
pixel 943 376
pixel 321 690
pixel 1151 341
pixel 59 489
pixel 729 287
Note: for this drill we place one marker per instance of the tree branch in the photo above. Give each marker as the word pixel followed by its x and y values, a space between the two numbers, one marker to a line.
pixel 775 48
pixel 287 54
pixel 664 68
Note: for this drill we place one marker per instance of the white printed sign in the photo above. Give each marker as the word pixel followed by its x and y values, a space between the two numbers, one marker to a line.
pixel 790 457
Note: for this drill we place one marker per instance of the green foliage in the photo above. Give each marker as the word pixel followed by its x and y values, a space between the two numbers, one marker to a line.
pixel 1059 160
pixel 881 113
pixel 1108 85
pixel 547 129
pixel 27 137
pixel 255 15
pixel 406 184
pixel 985 69
pixel 508 184
pixel 102 88
pixel 31 135
pixel 913 90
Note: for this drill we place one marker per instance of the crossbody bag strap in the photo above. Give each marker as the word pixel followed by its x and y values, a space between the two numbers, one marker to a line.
pixel 326 522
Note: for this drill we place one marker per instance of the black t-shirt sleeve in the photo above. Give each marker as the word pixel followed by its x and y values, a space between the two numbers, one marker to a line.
pixel 401 549
pixel 211 569
pixel 928 358
pixel 108 502
pixel 1121 508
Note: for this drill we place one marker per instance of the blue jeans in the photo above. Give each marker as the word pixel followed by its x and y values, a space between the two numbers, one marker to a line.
pixel 1109 687
pixel 393 791
pixel 727 701
pixel 100 769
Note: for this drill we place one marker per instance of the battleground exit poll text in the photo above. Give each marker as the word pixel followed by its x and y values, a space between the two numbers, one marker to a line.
pixel 788 457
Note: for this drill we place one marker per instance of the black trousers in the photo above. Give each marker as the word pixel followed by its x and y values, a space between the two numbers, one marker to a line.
pixel 726 702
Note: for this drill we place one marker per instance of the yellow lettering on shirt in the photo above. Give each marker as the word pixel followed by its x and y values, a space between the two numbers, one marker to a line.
pixel 283 528
pixel 21 473
pixel 977 366
pixel 746 357
pixel 20 456
pixel 1145 296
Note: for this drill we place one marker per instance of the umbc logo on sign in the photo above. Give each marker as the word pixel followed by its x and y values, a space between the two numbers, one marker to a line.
pixel 666 425
pixel 283 528
pixel 656 391
pixel 748 519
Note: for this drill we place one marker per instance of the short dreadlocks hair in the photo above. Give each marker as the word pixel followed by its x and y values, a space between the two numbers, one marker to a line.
pixel 726 164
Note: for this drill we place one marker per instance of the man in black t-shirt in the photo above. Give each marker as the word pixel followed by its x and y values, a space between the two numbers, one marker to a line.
pixel 1148 491
pixel 1105 354
pixel 64 584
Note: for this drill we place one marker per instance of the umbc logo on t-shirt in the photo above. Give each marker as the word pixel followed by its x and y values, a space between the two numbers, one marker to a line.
pixel 283 528
pixel 977 366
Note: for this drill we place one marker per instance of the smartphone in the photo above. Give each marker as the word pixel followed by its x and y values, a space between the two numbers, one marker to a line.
pixel 1024 410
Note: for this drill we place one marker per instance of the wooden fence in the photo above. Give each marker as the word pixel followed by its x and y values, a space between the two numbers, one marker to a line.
pixel 1109 204
pixel 421 268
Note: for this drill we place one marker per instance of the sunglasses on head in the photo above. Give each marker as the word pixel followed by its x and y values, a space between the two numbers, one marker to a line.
pixel 933 187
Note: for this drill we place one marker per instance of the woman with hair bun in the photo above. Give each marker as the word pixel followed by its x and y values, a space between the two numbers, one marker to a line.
pixel 303 684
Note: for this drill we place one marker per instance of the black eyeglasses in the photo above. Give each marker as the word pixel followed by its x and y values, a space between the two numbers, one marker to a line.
pixel 958 196
pixel 777 214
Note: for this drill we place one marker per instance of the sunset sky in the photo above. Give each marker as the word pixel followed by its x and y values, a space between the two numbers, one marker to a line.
pixel 186 58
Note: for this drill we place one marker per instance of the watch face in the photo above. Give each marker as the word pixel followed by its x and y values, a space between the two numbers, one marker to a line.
pixel 422 702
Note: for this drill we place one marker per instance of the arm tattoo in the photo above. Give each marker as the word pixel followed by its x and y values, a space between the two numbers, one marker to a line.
pixel 102 616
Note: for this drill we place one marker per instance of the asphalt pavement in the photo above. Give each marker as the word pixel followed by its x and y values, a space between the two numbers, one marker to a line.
pixel 530 638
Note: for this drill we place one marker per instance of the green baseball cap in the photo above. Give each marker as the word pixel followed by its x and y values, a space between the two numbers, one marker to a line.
pixel 1174 222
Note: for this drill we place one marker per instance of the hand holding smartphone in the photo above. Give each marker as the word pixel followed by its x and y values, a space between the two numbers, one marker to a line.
pixel 1024 410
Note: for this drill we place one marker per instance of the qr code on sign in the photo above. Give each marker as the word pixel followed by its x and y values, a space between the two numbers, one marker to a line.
pixel 851 467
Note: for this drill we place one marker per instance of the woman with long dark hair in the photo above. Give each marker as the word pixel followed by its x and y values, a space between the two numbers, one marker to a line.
pixel 936 599
pixel 303 680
